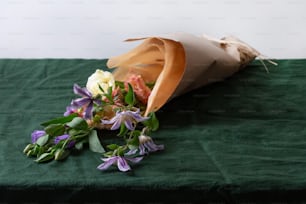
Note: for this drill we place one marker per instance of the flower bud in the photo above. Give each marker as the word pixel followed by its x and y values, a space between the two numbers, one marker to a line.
pixel 28 148
pixel 60 154
pixel 45 157
pixel 30 153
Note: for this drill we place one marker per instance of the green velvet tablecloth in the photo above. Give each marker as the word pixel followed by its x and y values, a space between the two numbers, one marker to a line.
pixel 243 139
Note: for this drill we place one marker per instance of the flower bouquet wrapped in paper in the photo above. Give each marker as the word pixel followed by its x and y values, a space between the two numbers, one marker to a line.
pixel 181 62
pixel 125 101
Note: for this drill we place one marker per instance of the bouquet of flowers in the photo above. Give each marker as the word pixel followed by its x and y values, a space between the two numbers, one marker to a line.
pixel 125 101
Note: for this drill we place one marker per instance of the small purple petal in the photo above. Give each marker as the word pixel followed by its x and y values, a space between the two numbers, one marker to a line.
pixel 97 101
pixel 71 144
pixel 60 138
pixel 131 152
pixel 142 150
pixel 69 110
pixel 88 112
pixel 152 147
pixel 79 102
pixel 135 159
pixel 64 137
pixel 81 91
pixel 122 164
pixel 160 147
pixel 111 121
pixel 137 116
pixel 107 162
pixel 108 158
pixel 129 124
pixel 36 134
pixel 116 125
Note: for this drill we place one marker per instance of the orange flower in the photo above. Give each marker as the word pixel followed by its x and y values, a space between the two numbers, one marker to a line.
pixel 141 90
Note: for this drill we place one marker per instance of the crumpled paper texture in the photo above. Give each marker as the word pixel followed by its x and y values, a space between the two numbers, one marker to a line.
pixel 181 62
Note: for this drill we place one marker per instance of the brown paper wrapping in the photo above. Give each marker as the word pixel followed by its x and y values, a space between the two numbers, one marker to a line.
pixel 179 63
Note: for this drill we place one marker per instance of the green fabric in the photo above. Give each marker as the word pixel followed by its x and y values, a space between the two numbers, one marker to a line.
pixel 230 140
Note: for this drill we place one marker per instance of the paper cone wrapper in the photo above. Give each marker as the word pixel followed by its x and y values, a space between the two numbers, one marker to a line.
pixel 179 63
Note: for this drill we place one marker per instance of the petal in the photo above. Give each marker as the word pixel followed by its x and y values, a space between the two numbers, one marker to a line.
pixel 134 159
pixel 111 121
pixel 88 112
pixel 60 138
pixel 69 110
pixel 107 163
pixel 122 164
pixel 81 91
pixel 160 147
pixel 152 147
pixel 109 158
pixel 71 144
pixel 137 116
pixel 129 124
pixel 116 125
pixel 97 101
pixel 79 102
pixel 142 150
pixel 131 152
pixel 36 134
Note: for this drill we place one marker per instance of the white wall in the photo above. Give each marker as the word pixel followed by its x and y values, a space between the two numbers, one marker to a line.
pixel 96 28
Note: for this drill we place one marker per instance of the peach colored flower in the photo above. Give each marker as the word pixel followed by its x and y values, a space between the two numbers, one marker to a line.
pixel 141 90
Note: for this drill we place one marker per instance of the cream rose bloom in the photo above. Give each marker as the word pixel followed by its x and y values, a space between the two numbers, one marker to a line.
pixel 103 78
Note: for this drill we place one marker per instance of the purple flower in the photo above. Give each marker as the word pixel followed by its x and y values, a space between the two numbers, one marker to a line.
pixel 121 162
pixel 146 145
pixel 69 110
pixel 86 101
pixel 64 137
pixel 36 134
pixel 129 118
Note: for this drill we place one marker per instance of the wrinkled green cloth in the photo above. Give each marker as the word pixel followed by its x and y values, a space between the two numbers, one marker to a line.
pixel 231 141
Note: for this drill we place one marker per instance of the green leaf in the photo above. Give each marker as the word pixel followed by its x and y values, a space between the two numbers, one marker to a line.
pixel 152 123
pixel 120 151
pixel 108 154
pixel 120 84
pixel 41 150
pixel 42 140
pixel 55 129
pixel 78 123
pixel 100 87
pixel 94 142
pixel 155 122
pixel 130 96
pixel 45 157
pixel 150 85
pixel 133 143
pixel 123 130
pixel 110 91
pixel 108 94
pixel 78 134
pixel 61 120
pixel 112 146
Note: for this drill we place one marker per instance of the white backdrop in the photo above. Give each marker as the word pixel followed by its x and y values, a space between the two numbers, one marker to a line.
pixel 97 28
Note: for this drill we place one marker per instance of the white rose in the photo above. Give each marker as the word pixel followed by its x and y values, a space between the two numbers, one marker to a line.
pixel 103 78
